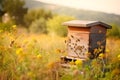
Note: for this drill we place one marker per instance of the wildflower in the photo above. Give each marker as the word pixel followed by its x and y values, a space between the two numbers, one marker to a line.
pixel 118 57
pixel 25 41
pixel 39 56
pixel 19 51
pixel 99 50
pixel 14 26
pixel 31 74
pixel 72 62
pixel 101 56
pixel 116 71
pixel 107 51
pixel 58 51
pixel 95 50
pixel 95 62
pixel 50 65
pixel 78 62
pixel 86 53
pixel 1 31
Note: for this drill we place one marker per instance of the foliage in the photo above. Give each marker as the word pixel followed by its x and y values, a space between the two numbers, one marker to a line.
pixel 54 25
pixel 15 8
pixel 1 5
pixel 79 13
pixel 102 68
pixel 114 32
pixel 6 27
pixel 1 10
pixel 38 26
pixel 36 14
pixel 34 60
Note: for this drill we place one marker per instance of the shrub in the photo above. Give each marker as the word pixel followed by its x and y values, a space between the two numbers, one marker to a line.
pixel 114 32
pixel 38 26
pixel 35 14
pixel 54 25
pixel 6 27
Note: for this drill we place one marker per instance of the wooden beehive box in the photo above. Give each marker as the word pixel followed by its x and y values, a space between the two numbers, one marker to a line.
pixel 85 36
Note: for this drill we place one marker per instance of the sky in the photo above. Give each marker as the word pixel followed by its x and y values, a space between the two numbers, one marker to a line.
pixel 108 6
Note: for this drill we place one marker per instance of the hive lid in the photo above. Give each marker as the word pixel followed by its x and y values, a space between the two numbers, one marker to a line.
pixel 80 23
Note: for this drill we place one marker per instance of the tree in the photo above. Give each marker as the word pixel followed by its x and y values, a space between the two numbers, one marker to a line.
pixel 1 5
pixel 54 25
pixel 15 8
pixel 35 14
pixel 38 26
pixel 1 11
pixel 115 32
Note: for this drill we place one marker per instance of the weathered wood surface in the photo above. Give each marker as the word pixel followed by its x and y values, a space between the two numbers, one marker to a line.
pixel 85 36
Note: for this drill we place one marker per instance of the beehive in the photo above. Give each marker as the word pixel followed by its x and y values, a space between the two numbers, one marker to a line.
pixel 85 36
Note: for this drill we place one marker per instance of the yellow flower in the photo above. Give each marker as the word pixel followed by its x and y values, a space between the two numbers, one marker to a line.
pixel 30 74
pixel 101 55
pixel 50 65
pixel 118 57
pixel 72 62
pixel 19 51
pixel 14 26
pixel 1 31
pixel 39 56
pixel 58 51
pixel 95 50
pixel 25 41
pixel 78 62
pixel 107 51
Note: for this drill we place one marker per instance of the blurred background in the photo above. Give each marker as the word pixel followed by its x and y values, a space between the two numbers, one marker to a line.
pixel 46 16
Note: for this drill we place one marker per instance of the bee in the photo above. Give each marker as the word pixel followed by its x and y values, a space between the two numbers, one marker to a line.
pixel 74 46
pixel 11 43
pixel 72 43
pixel 65 41
pixel 78 40
pixel 72 36
pixel 69 40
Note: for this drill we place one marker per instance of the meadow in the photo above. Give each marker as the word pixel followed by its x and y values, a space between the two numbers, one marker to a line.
pixel 32 41
pixel 26 56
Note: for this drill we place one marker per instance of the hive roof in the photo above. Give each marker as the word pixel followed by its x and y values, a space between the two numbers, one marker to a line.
pixel 81 23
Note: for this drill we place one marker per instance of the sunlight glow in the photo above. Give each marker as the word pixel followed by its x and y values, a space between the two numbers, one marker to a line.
pixel 109 6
